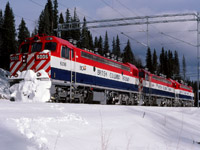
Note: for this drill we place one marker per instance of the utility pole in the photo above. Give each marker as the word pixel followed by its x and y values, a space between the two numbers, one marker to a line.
pixel 147 32
pixel 198 19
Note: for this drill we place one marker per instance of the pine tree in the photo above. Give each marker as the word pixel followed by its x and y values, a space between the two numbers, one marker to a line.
pixel 149 60
pixel 51 16
pixel 113 46
pixel 84 35
pixel 128 54
pixel 106 44
pixel 176 66
pixel 95 42
pixel 100 46
pixel 44 22
pixel 162 61
pixel 23 32
pixel 68 19
pixel 61 19
pixel 76 34
pixel 165 63
pixel 35 31
pixel 55 16
pixel 154 62
pixel 8 37
pixel 118 51
pixel 138 63
pixel 184 68
pixel 90 40
pixel 170 64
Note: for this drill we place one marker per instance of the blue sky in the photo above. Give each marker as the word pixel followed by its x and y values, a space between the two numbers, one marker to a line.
pixel 104 9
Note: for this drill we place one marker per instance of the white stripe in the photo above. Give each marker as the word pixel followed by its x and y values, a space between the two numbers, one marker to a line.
pixel 46 67
pixel 13 70
pixel 30 65
pixel 56 63
pixel 40 64
pixel 29 57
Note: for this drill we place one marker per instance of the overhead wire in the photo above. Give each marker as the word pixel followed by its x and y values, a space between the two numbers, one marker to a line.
pixel 124 21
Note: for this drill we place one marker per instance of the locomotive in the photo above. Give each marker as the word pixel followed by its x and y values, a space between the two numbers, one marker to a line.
pixel 84 76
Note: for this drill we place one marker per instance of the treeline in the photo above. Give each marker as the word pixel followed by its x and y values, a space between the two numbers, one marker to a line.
pixel 168 64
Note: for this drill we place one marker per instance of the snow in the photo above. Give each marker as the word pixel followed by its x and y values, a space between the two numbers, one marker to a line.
pixel 32 88
pixel 4 85
pixel 47 126
pixel 30 124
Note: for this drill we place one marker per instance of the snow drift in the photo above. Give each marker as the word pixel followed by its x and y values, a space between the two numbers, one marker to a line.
pixel 32 87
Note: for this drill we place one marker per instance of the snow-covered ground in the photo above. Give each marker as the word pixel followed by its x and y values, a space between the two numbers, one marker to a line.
pixel 57 126
pixel 4 85
pixel 31 124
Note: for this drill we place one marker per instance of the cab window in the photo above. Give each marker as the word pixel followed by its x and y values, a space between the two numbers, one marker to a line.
pixel 65 52
pixel 24 48
pixel 50 46
pixel 36 47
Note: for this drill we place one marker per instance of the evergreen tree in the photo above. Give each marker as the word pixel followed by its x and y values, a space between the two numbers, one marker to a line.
pixel 162 61
pixel 138 63
pixel 149 60
pixel 84 35
pixel 128 54
pixel 154 62
pixel 23 32
pixel 170 64
pixel 184 68
pixel 35 32
pixel 165 64
pixel 68 34
pixel 61 20
pixel 90 40
pixel 100 46
pixel 106 44
pixel 55 16
pixel 176 66
pixel 113 46
pixel 95 42
pixel 118 51
pixel 76 34
pixel 8 37
pixel 44 22
pixel 50 10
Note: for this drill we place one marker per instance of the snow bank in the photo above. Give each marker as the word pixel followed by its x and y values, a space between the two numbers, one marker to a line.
pixel 33 87
pixel 57 126
pixel 4 84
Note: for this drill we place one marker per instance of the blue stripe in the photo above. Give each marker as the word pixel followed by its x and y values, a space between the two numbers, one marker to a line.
pixel 65 75
pixel 185 97
pixel 158 92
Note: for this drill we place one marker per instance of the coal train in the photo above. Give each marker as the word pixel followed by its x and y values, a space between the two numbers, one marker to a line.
pixel 84 76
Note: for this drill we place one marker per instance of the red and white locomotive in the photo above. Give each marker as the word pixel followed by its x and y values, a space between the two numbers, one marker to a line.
pixel 79 75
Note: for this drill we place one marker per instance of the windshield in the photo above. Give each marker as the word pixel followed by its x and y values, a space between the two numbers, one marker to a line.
pixel 36 47
pixel 50 46
pixel 24 48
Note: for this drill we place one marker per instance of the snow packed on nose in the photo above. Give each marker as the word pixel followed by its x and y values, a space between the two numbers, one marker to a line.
pixel 32 86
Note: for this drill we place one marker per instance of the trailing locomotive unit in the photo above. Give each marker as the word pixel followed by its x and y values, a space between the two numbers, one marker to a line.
pixel 158 90
pixel 77 75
